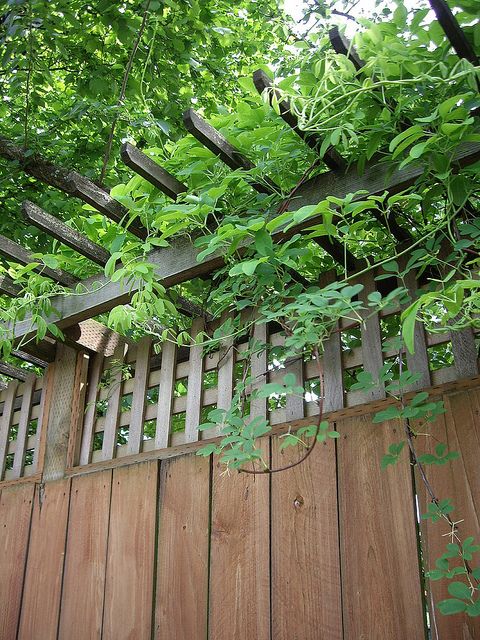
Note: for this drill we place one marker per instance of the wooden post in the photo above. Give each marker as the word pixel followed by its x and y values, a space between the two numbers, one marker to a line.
pixel 60 416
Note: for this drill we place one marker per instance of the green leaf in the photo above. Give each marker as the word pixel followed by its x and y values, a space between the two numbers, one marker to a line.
pixel 408 318
pixel 459 590
pixel 450 606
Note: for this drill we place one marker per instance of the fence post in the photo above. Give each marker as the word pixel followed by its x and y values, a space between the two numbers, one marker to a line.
pixel 61 418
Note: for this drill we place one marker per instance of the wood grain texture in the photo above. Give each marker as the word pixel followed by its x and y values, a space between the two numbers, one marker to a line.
pixel 43 577
pixel 294 406
pixel 5 423
pixel 15 514
pixel 195 385
pixel 113 409
pixel 85 558
pixel 380 572
pixel 139 398
pixel 239 556
pixel 165 394
pixel 332 363
pixel 131 552
pixel 78 410
pixel 90 412
pixel 465 353
pixel 182 553
pixel 258 370
pixel 458 480
pixel 417 362
pixel 22 430
pixel 306 598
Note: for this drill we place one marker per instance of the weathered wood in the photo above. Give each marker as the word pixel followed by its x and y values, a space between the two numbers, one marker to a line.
pixel 16 253
pixel 342 45
pixel 194 384
pixel 165 394
pixel 43 577
pixel 131 553
pixel 417 362
pixel 453 31
pixel 182 551
pixel 230 155
pixel 22 429
pixel 5 423
pixel 96 368
pixel 239 556
pixel 8 287
pixel 332 363
pixel 85 558
pixel 43 417
pixel 60 415
pixel 294 406
pixel 113 409
pixel 465 353
pixel 178 263
pixel 78 409
pixel 459 481
pixel 11 371
pixel 32 359
pixel 332 158
pixel 305 558
pixel 372 355
pixel 96 337
pixel 151 171
pixel 258 406
pixel 15 513
pixel 139 398
pixel 65 234
pixel 96 197
pixel 43 350
pixel 226 365
pixel 377 602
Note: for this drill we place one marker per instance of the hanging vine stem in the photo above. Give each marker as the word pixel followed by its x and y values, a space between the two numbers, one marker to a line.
pixel 123 89
pixel 317 427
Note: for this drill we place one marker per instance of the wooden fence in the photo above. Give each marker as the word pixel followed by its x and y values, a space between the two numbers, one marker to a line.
pixel 177 549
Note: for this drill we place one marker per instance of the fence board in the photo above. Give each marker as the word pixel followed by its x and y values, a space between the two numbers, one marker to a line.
pixel 43 578
pixel 458 480
pixel 91 407
pixel 113 408
pixel 306 599
pixel 15 514
pixel 239 556
pixel 130 556
pixel 182 561
pixel 165 394
pixel 5 423
pixel 380 573
pixel 371 339
pixel 22 431
pixel 85 557
pixel 258 406
pixel 139 398
pixel 465 353
pixel 194 388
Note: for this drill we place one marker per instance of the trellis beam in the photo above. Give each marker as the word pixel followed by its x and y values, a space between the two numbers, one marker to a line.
pixel 453 31
pixel 178 263
pixel 332 158
pixel 217 144
pixel 151 171
pixel 13 252
pixel 65 234
pixel 11 371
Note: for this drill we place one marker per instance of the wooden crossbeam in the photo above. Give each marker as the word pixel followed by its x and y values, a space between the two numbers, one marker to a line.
pixel 332 158
pixel 16 253
pixel 230 155
pixel 8 287
pixel 28 357
pixel 453 31
pixel 11 371
pixel 65 234
pixel 342 45
pixel 151 171
pixel 96 197
pixel 178 263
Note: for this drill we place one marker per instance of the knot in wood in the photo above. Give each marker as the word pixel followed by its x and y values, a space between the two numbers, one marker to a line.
pixel 298 502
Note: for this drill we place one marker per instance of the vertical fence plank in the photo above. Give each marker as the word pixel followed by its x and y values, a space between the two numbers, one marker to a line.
pixel 195 383
pixel 239 556
pixel 113 408
pixel 43 577
pixel 459 481
pixel 380 572
pixel 15 513
pixel 332 364
pixel 131 551
pixel 165 394
pixel 78 409
pixel 182 561
pixel 306 598
pixel 465 353
pixel 85 557
pixel 226 363
pixel 417 362
pixel 258 406
pixel 5 423
pixel 371 339
pixel 42 422
pixel 94 375
pixel 139 399
pixel 294 406
pixel 22 431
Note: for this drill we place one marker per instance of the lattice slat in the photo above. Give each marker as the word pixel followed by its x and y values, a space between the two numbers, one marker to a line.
pixel 165 394
pixel 142 369
pixel 91 408
pixel 22 430
pixel 6 422
pixel 194 388
pixel 113 409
